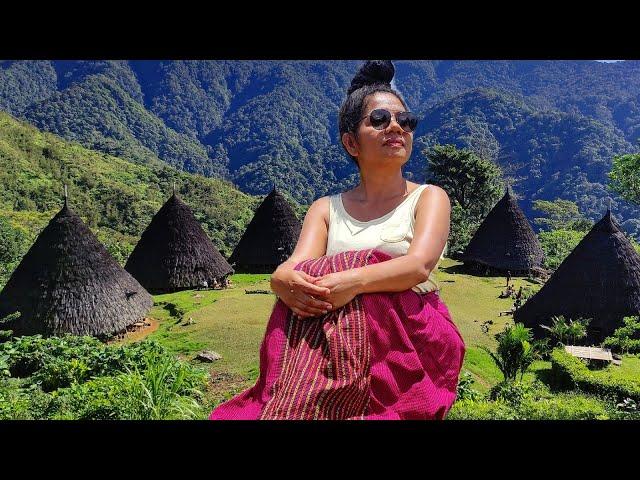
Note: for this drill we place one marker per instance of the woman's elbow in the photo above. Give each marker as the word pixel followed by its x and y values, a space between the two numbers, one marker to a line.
pixel 422 273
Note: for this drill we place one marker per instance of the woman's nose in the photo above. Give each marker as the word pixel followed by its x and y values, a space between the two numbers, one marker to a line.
pixel 394 125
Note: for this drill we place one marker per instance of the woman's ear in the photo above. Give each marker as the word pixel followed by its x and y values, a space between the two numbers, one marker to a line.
pixel 349 142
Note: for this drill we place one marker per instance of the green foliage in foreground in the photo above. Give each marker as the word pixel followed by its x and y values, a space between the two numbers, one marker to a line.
pixel 515 351
pixel 625 339
pixel 570 372
pixel 568 406
pixel 81 378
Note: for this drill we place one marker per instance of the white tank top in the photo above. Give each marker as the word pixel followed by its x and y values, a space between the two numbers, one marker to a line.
pixel 391 233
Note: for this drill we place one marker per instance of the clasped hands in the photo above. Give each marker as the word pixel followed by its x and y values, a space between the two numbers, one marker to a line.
pixel 309 296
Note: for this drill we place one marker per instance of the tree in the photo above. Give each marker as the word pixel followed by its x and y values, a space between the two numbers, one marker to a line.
pixel 624 177
pixel 473 183
pixel 558 244
pixel 560 215
pixel 12 247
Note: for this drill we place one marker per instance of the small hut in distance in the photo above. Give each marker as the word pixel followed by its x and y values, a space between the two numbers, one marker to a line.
pixel 69 283
pixel 599 279
pixel 270 237
pixel 175 253
pixel 505 241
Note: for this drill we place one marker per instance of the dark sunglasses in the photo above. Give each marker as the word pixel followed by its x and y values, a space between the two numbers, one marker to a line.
pixel 380 119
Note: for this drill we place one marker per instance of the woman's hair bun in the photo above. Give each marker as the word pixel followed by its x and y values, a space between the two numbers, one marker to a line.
pixel 371 73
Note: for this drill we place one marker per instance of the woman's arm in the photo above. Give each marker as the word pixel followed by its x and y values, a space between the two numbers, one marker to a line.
pixel 431 231
pixel 295 287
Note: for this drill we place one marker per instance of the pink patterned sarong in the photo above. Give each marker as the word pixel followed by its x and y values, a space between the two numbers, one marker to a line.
pixel 381 356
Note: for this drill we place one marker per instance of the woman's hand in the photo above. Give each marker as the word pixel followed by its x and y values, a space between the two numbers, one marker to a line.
pixel 343 286
pixel 296 290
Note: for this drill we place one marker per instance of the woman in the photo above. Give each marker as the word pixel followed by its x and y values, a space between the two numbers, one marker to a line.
pixel 357 304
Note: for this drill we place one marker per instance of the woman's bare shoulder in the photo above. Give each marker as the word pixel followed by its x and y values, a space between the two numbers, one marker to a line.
pixel 320 209
pixel 433 195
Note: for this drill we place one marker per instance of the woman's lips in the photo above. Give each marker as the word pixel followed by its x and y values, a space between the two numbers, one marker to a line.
pixel 394 143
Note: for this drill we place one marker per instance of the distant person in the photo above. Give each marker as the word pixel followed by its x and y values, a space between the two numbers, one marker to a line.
pixel 508 277
pixel 357 302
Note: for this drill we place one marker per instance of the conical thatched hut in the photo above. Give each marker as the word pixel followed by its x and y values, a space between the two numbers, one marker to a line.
pixel 600 279
pixel 270 237
pixel 68 283
pixel 175 253
pixel 505 240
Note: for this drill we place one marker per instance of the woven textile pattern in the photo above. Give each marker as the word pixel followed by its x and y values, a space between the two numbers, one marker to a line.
pixel 381 356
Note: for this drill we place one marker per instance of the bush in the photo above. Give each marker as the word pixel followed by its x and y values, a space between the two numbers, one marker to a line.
pixel 465 388
pixel 90 380
pixel 564 407
pixel 625 339
pixel 512 392
pixel 99 399
pixel 559 407
pixel 515 352
pixel 570 372
pixel 482 410
pixel 562 331
pixel 18 402
pixel 167 389
pixel 58 361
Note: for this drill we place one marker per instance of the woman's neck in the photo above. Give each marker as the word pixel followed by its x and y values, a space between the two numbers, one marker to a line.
pixel 380 186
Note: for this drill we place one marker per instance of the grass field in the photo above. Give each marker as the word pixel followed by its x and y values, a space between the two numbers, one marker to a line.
pixel 232 323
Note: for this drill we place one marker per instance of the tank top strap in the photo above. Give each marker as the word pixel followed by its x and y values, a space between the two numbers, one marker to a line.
pixel 414 202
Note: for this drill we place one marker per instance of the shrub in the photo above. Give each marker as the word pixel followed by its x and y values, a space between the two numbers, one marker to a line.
pixel 514 353
pixel 570 372
pixel 23 403
pixel 99 399
pixel 559 407
pixel 562 331
pixel 482 410
pixel 90 380
pixel 465 388
pixel 625 339
pixel 512 392
pixel 167 389
pixel 564 407
pixel 58 361
pixel 61 372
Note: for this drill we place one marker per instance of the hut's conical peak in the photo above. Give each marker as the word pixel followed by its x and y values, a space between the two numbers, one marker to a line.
pixel 505 239
pixel 68 283
pixel 270 236
pixel 599 279
pixel 174 252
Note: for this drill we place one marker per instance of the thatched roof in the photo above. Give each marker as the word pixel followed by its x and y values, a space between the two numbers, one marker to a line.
pixel 599 279
pixel 270 237
pixel 505 239
pixel 68 283
pixel 174 252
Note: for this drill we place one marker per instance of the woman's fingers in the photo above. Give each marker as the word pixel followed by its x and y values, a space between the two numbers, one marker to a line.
pixel 312 311
pixel 311 288
pixel 312 302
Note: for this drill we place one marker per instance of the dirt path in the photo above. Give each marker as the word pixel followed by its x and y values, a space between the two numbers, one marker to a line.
pixel 140 333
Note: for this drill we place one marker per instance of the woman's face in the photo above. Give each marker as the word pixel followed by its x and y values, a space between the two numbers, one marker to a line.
pixel 390 146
